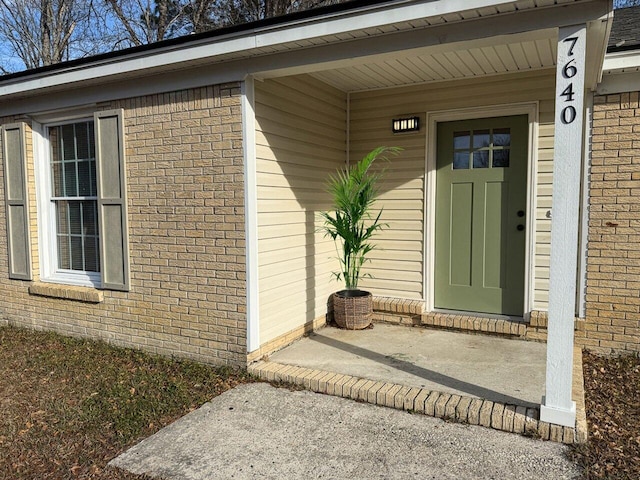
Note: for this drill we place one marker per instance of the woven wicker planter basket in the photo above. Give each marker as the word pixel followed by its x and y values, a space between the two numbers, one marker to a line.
pixel 352 309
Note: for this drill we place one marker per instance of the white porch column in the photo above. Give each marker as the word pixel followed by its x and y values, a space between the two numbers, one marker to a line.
pixel 250 212
pixel 557 406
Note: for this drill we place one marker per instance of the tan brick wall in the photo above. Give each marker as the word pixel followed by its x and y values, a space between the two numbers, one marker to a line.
pixel 186 236
pixel 612 323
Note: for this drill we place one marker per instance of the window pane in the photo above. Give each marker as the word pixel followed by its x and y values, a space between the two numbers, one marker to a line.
pixel 501 137
pixel 75 219
pixel 461 140
pixel 57 179
pixel 501 158
pixel 91 138
pixel 64 255
pixel 84 178
pixel 92 176
pixel 68 142
pixel 460 160
pixel 89 218
pixel 82 141
pixel 54 141
pixel 73 160
pixel 481 159
pixel 77 235
pixel 70 181
pixel 91 254
pixel 481 138
pixel 76 253
pixel 62 214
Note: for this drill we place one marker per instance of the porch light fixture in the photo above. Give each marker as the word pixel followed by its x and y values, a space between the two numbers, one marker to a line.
pixel 408 124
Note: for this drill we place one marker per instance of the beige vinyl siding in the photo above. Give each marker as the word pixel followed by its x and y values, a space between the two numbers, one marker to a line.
pixel 397 264
pixel 543 204
pixel 300 140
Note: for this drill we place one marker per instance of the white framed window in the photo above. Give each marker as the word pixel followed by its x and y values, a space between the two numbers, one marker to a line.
pixel 81 186
pixel 69 203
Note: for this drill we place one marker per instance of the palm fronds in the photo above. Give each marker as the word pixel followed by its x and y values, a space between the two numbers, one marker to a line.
pixel 351 224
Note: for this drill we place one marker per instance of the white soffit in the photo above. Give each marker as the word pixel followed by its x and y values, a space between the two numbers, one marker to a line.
pixel 371 21
pixel 515 53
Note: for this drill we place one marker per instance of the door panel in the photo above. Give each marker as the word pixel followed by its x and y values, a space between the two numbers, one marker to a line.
pixel 494 232
pixel 461 226
pixel 480 191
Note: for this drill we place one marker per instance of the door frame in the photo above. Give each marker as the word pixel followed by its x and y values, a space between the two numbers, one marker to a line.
pixel 432 119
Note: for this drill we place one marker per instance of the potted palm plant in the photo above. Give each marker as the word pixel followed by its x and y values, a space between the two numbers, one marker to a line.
pixel 351 225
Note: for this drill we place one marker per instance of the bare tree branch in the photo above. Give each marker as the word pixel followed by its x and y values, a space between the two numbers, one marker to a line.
pixel 42 32
pixel 34 33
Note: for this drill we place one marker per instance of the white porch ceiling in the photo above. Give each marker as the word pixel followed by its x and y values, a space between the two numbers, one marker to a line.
pixel 457 45
pixel 435 65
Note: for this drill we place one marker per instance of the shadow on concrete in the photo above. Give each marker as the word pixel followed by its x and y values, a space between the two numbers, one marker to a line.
pixel 425 373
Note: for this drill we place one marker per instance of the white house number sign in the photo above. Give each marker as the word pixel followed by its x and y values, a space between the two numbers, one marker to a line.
pixel 569 71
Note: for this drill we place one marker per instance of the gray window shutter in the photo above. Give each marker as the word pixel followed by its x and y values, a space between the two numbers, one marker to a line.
pixel 17 200
pixel 112 199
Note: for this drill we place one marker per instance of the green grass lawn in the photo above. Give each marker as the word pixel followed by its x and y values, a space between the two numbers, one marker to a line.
pixel 68 406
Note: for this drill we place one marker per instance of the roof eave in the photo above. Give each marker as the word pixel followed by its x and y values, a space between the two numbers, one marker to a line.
pixel 239 40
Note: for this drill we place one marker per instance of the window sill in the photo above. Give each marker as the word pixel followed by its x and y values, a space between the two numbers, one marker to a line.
pixel 68 292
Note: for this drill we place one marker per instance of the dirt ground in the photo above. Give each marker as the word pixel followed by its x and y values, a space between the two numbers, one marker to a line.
pixel 612 395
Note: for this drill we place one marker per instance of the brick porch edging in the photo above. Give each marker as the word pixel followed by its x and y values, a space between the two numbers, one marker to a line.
pixel 475 411
pixel 398 311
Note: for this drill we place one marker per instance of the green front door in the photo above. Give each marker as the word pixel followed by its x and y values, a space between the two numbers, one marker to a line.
pixel 481 196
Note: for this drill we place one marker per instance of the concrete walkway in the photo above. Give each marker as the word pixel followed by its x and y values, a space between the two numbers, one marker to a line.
pixel 478 366
pixel 479 380
pixel 257 431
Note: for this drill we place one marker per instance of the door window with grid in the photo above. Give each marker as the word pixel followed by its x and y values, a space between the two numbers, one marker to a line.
pixel 74 197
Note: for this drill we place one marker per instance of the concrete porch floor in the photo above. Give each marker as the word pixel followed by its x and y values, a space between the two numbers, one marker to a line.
pixel 477 379
pixel 478 366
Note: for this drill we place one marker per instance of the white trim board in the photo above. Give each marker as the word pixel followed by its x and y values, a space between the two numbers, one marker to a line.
pixel 432 119
pixel 621 73
pixel 621 61
pixel 619 83
pixel 251 214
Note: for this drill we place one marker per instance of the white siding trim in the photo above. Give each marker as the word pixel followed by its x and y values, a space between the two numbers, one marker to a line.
pixel 532 203
pixel 429 221
pixel 251 213
pixel 433 118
